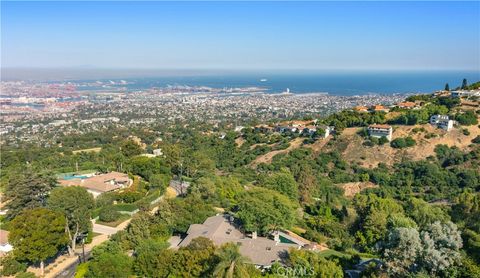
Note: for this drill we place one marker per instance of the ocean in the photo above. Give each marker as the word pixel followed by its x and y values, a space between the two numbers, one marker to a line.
pixel 298 82
pixel 338 83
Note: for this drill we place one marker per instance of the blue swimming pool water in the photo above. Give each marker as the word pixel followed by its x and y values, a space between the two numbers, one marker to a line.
pixel 71 177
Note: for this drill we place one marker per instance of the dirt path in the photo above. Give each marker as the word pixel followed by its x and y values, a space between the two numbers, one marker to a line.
pixel 352 188
pixel 267 158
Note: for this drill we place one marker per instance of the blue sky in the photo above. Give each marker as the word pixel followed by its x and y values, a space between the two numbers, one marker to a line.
pixel 242 35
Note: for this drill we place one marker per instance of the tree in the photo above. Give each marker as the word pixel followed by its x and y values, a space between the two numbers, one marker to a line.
pixel 231 263
pixel 109 261
pixel 264 210
pixel 195 260
pixel 131 148
pixel 76 204
pixel 447 87
pixel 37 234
pixel 10 266
pixel 148 256
pixel 138 229
pixel 309 264
pixel 433 250
pixel 467 118
pixel 284 183
pixel 159 181
pixel 116 265
pixel 108 214
pixel 27 189
pixel 464 84
pixel 402 249
pixel 307 184
pixel 423 213
pixel 441 245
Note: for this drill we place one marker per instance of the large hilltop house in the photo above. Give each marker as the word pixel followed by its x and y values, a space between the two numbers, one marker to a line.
pixel 261 251
pixel 465 93
pixel 379 131
pixel 98 184
pixel 442 121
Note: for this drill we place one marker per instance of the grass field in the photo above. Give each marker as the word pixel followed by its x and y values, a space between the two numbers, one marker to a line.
pixel 122 218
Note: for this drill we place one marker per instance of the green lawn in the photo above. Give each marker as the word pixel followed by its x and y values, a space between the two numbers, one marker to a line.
pixel 122 218
pixel 330 253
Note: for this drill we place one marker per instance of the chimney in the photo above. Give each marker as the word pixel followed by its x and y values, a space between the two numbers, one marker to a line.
pixel 276 237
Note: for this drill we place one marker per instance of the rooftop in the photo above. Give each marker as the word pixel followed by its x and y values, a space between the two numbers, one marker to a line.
pixel 379 126
pixel 102 183
pixel 260 250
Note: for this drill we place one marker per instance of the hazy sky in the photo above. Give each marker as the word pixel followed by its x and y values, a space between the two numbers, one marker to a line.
pixel 242 35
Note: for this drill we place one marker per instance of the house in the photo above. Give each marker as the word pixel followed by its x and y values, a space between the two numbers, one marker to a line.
pixel 442 121
pixel 308 130
pixel 380 108
pixel 5 247
pixel 380 131
pixel 284 129
pixel 261 251
pixel 407 105
pixel 98 184
pixel 262 128
pixel 465 93
pixel 361 109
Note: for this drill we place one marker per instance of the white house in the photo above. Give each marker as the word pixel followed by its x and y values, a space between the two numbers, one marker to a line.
pixel 442 121
pixel 464 93
pixel 379 131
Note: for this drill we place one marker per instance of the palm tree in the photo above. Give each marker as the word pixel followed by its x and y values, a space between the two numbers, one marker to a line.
pixel 231 263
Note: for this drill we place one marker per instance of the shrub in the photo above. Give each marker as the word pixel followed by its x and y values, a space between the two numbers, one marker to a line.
pixel 383 140
pixel 26 275
pixel 400 143
pixel 476 140
pixel 130 196
pixel 430 135
pixel 108 214
pixel 467 118
pixel 368 144
pixel 465 132
pixel 11 266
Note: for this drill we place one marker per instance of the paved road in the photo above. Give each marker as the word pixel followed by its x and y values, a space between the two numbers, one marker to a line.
pixel 70 271
pixel 105 230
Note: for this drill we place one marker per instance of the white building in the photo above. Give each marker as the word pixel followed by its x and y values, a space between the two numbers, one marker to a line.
pixel 379 131
pixel 442 121
pixel 464 93
pixel 328 131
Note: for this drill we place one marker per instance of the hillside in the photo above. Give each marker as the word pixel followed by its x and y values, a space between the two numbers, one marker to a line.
pixel 351 148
